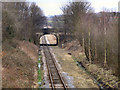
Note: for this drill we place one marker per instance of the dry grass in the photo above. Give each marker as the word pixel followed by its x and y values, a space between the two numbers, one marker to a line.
pixel 106 75
pixel 18 67
pixel 81 79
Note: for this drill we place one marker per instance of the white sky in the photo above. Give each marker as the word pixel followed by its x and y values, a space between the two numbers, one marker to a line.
pixel 52 7
pixel 98 5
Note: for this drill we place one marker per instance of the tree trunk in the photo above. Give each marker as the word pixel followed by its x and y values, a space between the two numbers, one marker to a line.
pixel 105 61
pixel 95 52
pixel 83 43
pixel 89 49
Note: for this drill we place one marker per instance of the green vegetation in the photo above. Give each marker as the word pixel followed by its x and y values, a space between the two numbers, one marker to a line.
pixel 39 70
pixel 39 76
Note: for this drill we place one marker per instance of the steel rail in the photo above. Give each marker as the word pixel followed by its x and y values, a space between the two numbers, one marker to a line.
pixel 51 65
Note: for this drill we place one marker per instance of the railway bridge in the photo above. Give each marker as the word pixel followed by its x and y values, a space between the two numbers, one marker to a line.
pixel 47 31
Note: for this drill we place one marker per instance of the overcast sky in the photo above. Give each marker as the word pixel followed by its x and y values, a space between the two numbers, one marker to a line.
pixel 52 7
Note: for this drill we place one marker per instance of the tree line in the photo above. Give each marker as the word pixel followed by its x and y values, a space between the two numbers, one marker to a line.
pixel 96 32
pixel 21 20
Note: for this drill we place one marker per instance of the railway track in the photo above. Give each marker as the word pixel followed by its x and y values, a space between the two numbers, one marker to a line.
pixel 55 78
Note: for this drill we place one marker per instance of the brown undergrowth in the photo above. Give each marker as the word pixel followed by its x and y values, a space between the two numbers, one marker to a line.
pixel 19 65
pixel 106 75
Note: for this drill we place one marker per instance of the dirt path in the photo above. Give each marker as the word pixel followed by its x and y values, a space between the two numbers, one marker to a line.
pixel 81 79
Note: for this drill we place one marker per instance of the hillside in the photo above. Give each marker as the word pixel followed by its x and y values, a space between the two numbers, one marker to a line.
pixel 19 64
